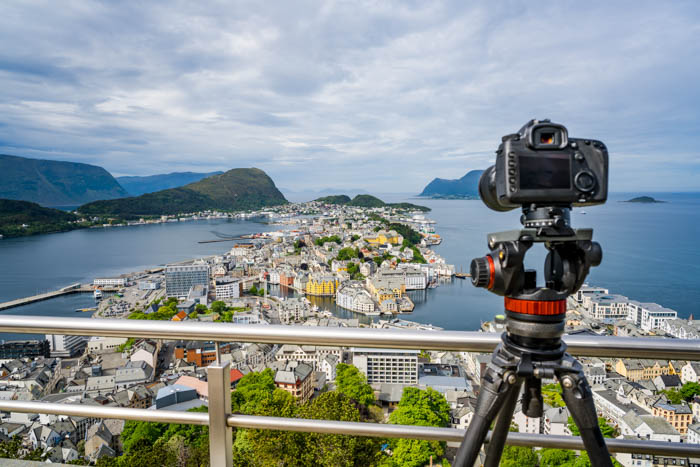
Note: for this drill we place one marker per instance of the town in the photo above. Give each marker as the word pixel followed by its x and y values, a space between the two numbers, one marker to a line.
pixel 367 261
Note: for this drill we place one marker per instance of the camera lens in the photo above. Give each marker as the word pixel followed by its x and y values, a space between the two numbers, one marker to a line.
pixel 584 181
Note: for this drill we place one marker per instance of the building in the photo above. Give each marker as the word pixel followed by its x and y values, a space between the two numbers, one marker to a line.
pixel 133 373
pixel 353 296
pixel 322 285
pixel 383 237
pixel 199 294
pixel 296 379
pixel 679 416
pixel 387 365
pixel 310 354
pixel 228 288
pixel 639 369
pixel 62 345
pixel 199 353
pixel 179 279
pixel 149 285
pixel 99 344
pixel 20 349
pixel 690 373
pixel 649 316
pixel 110 282
pixel 606 307
pixel 293 310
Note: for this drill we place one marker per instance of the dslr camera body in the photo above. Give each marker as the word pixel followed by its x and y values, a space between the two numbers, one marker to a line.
pixel 541 165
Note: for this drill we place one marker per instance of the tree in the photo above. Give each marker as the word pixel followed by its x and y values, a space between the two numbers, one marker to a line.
pixel 424 408
pixel 607 430
pixel 353 384
pixel 347 253
pixel 338 450
pixel 516 456
pixel 689 390
pixel 556 457
pixel 199 308
pixel 673 395
pixel 218 306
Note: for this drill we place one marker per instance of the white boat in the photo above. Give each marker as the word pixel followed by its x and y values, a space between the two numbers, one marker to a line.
pixel 97 294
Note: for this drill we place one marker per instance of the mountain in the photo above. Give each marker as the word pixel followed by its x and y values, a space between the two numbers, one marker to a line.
pixel 465 187
pixel 140 185
pixel 368 201
pixel 643 199
pixel 334 199
pixel 37 219
pixel 237 189
pixel 55 183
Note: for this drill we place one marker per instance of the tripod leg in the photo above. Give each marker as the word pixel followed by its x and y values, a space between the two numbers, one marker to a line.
pixel 500 431
pixel 578 397
pixel 496 385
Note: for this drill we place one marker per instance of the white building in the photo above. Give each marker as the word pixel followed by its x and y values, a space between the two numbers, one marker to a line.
pixel 293 309
pixel 98 344
pixel 312 355
pixel 690 372
pixel 694 433
pixel 353 296
pixel 387 365
pixel 248 318
pixel 62 345
pixel 228 289
pixel 110 281
pixel 652 315
pixel 610 307
pixel 149 285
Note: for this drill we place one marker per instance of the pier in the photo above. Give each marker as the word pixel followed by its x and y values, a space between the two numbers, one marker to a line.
pixel 71 289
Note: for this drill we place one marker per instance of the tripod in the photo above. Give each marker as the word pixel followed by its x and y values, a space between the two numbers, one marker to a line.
pixel 531 348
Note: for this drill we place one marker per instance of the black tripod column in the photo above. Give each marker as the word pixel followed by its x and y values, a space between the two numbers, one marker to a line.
pixel 578 397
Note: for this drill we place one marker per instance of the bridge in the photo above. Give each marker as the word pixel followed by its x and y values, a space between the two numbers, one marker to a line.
pixel 70 289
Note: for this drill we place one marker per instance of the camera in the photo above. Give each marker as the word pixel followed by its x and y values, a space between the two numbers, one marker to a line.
pixel 541 165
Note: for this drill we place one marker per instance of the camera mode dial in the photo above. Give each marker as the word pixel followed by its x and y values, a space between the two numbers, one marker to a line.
pixel 584 181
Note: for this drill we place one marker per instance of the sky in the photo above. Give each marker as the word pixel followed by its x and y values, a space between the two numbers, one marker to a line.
pixel 375 95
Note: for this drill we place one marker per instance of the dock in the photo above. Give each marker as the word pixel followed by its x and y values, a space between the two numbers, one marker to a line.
pixel 71 289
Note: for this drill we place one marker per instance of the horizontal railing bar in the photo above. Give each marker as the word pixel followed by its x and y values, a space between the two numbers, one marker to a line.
pixel 594 346
pixel 100 411
pixel 453 434
pixel 337 427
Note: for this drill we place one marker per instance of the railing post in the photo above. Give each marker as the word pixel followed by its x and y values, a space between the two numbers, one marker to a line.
pixel 220 434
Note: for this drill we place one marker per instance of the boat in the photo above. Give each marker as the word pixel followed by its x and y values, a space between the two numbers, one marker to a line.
pixel 97 294
pixel 462 275
pixel 80 310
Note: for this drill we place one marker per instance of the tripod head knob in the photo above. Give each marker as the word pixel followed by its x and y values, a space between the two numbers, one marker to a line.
pixel 481 272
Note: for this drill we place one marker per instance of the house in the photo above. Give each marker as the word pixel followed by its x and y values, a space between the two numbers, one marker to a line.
pixel 62 453
pixel 98 437
pixel 645 426
pixel 663 382
pixel 679 416
pixel 146 351
pixel 555 421
pixel 296 379
pixel 43 437
pixel 133 373
pixel 690 373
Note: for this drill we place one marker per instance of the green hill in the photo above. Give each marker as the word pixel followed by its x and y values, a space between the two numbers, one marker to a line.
pixel 151 183
pixel 334 199
pixel 55 183
pixel 235 190
pixel 644 199
pixel 368 201
pixel 37 219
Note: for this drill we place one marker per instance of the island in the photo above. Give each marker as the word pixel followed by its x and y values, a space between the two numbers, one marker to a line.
pixel 466 187
pixel 643 199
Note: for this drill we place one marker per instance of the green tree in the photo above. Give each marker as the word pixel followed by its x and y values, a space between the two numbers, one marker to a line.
pixel 673 395
pixel 353 384
pixel 689 390
pixel 608 431
pixel 347 253
pixel 199 308
pixel 556 457
pixel 424 408
pixel 516 456
pixel 218 306
pixel 338 450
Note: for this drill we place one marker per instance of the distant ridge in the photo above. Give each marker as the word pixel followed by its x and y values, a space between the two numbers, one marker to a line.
pixel 55 183
pixel 465 187
pixel 235 190
pixel 368 201
pixel 136 185
pixel 20 218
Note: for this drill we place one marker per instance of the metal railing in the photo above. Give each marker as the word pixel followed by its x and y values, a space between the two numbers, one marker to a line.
pixel 220 419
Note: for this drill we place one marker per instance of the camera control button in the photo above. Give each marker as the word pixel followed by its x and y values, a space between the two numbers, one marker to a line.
pixel 511 171
pixel 578 156
pixel 511 179
pixel 584 181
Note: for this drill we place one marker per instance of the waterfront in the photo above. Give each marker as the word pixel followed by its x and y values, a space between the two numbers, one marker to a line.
pixel 650 254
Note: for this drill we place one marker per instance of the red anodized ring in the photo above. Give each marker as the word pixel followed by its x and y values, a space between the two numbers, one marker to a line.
pixel 535 307
pixel 492 272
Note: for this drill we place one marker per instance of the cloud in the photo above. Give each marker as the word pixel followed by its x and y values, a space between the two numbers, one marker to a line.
pixel 383 96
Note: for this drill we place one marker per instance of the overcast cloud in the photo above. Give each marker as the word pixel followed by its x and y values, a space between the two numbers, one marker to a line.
pixel 376 95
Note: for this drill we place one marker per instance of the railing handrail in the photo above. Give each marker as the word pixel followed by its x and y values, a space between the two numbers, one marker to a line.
pixel 585 345
pixel 220 420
